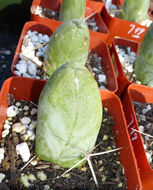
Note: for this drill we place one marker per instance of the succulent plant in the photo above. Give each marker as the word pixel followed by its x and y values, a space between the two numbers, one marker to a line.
pixel 72 9
pixel 70 42
pixel 69 115
pixel 135 11
pixel 144 61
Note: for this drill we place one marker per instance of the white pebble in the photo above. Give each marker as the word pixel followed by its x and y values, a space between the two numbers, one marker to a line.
pixel 102 78
pixel 32 138
pixel 149 156
pixel 12 111
pixel 2 176
pixel 32 69
pixel 141 128
pixel 45 38
pixel 7 52
pixel 29 133
pixel 17 73
pixel 23 150
pixel 5 133
pixel 26 75
pixel 42 176
pixel 21 67
pixel 34 38
pixel 33 111
pixel 26 120
pixel 145 110
pixel 26 108
pixel 34 162
pixel 25 137
pixel 2 151
pixel 18 127
pixel 7 126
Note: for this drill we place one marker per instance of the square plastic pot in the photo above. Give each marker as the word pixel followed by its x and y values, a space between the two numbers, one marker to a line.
pixel 29 89
pixel 144 94
pixel 123 82
pixel 96 45
pixel 91 7
pixel 122 28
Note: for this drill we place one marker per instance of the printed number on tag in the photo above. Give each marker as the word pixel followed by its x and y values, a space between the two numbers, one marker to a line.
pixel 137 31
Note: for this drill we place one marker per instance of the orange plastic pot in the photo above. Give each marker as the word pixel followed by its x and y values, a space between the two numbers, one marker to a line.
pixel 138 93
pixel 122 28
pixel 123 82
pixel 96 45
pixel 29 89
pixel 91 7
pixel 33 26
pixel 55 6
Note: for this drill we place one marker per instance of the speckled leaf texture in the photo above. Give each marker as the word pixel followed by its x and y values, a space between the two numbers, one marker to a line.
pixel 70 42
pixel 135 10
pixel 72 9
pixel 69 115
pixel 144 61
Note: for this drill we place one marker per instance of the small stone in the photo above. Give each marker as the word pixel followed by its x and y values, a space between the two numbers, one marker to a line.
pixel 18 127
pixel 41 175
pixel 25 120
pixel 46 187
pixel 2 176
pixel 34 38
pixel 24 180
pixel 7 126
pixel 56 167
pixel 7 52
pixel 29 133
pixel 32 177
pixel 34 162
pixel 25 137
pixel 45 38
pixel 2 151
pixel 12 111
pixel 84 169
pixel 26 108
pixel 17 73
pixel 23 150
pixel 102 78
pixel 32 69
pixel 18 104
pixel 33 111
pixel 32 138
pixel 105 137
pixel 5 133
pixel 141 128
pixel 21 67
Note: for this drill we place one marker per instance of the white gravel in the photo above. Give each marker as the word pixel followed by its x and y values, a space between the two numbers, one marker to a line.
pixel 32 55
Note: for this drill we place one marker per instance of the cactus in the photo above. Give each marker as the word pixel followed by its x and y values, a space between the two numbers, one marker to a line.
pixel 70 42
pixel 144 62
pixel 72 9
pixel 69 115
pixel 135 11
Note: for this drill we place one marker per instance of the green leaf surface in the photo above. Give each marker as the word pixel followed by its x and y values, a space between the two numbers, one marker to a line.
pixel 69 115
pixel 144 61
pixel 72 9
pixel 135 10
pixel 70 42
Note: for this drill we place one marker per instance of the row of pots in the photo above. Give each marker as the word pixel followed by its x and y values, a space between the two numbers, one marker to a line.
pixel 137 168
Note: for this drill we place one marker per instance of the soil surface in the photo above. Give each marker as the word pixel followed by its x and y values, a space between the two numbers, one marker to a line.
pixel 43 175
pixel 144 114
